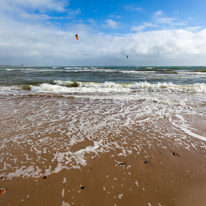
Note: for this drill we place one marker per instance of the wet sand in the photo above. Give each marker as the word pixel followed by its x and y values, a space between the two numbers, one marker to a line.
pixel 153 177
pixel 144 169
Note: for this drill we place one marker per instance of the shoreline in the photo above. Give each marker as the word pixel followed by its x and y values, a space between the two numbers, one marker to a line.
pixel 78 151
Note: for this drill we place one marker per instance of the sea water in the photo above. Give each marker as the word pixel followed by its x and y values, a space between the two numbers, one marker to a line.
pixel 102 79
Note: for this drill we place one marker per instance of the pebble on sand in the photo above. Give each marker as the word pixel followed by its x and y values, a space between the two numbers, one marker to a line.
pixel 121 163
pixel 146 162
pixel 175 154
pixel 82 187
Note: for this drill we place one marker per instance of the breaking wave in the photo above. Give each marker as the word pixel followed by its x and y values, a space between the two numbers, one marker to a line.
pixel 59 86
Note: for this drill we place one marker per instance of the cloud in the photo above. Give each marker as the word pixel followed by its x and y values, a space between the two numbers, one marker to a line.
pixel 194 28
pixel 115 16
pixel 143 26
pixel 29 16
pixel 132 8
pixel 40 45
pixel 42 11
pixel 161 19
pixel 158 13
pixel 45 44
pixel 111 23
pixel 164 20
pixel 11 5
pixel 92 21
pixel 71 14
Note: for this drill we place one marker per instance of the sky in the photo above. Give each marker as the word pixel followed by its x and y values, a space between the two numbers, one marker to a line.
pixel 150 33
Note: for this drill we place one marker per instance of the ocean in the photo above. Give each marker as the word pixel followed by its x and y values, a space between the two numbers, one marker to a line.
pixel 97 80
pixel 48 112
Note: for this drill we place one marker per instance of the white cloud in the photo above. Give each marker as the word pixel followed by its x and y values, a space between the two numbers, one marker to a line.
pixel 115 16
pixel 92 21
pixel 26 15
pixel 38 45
pixel 111 23
pixel 133 8
pixel 138 28
pixel 194 28
pixel 37 10
pixel 161 19
pixel 143 26
pixel 158 13
pixel 164 20
pixel 34 16
pixel 73 13
pixel 57 5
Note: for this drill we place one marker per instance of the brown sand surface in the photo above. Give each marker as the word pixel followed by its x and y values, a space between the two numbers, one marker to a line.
pixel 164 179
pixel 131 166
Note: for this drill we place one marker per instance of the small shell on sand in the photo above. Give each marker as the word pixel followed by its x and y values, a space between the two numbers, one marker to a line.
pixel 2 191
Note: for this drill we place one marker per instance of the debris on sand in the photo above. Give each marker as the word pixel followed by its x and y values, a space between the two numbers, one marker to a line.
pixel 44 177
pixel 146 162
pixel 175 154
pixel 2 191
pixel 121 163
pixel 82 187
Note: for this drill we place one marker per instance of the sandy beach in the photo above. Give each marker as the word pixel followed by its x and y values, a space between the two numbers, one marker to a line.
pixel 107 164
pixel 153 177
pixel 102 103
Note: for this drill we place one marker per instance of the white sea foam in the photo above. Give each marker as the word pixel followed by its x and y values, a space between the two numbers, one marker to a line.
pixel 65 203
pixel 137 72
pixel 186 128
pixel 170 87
pixel 111 87
pixel 106 87
pixel 60 86
pixel 64 180
pixel 136 183
pixel 63 192
pixel 120 196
